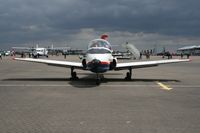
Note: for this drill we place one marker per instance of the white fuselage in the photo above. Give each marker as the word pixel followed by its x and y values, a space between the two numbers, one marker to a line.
pixel 99 58
pixel 40 52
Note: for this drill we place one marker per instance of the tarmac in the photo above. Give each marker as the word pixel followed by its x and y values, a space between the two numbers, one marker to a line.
pixel 37 98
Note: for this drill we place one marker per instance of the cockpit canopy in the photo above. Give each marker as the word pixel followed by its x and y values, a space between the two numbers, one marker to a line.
pixel 98 51
pixel 99 43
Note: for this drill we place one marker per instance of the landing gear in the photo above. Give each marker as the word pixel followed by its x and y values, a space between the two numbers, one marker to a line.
pixel 98 79
pixel 73 74
pixel 129 74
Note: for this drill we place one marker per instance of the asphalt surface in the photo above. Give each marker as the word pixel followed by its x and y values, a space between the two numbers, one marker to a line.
pixel 36 98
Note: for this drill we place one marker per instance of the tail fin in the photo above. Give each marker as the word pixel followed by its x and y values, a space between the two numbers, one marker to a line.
pixel 104 36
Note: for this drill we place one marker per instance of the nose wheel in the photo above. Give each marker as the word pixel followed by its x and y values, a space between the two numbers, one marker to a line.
pixel 98 79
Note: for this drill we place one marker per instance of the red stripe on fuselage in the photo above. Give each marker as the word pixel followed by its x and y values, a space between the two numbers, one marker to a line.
pixel 105 63
pixel 102 62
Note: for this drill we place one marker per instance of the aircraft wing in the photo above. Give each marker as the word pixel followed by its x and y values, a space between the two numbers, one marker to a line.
pixel 53 62
pixel 21 48
pixel 143 64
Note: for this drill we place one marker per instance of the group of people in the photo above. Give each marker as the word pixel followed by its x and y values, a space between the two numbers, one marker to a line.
pixel 169 55
pixel 146 53
pixel 188 55
pixel 147 56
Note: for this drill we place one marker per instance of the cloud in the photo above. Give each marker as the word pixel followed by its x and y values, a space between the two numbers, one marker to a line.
pixel 25 21
pixel 140 39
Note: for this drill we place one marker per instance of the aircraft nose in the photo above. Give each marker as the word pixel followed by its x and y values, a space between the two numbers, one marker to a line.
pixel 96 62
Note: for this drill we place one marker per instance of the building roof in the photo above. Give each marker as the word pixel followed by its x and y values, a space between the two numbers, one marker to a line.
pixel 189 47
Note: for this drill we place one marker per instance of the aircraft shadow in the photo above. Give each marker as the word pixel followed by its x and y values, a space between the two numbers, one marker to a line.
pixel 36 79
pixel 89 81
pixel 140 80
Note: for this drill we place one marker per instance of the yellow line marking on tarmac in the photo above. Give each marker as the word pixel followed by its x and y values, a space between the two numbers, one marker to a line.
pixel 163 86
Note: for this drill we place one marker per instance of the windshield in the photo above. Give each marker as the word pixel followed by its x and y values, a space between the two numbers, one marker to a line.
pixel 99 43
pixel 98 51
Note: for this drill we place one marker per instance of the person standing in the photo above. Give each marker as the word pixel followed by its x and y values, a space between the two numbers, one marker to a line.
pixel 181 55
pixel 140 55
pixel 0 56
pixel 188 55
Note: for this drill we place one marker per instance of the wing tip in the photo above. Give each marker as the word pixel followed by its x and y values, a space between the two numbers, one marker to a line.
pixel 186 59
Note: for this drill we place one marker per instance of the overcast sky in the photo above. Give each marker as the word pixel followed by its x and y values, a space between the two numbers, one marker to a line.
pixel 146 23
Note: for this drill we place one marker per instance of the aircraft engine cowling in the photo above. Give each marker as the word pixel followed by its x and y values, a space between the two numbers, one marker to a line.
pixel 84 63
pixel 113 64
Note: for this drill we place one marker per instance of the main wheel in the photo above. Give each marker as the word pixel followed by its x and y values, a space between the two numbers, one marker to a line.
pixel 74 76
pixel 128 76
